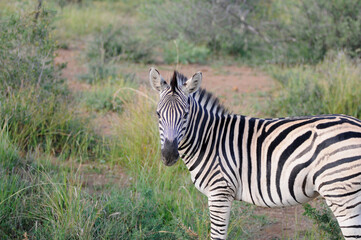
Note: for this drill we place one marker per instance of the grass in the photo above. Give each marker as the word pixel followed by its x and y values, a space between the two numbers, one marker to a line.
pixel 332 86
pixel 104 97
pixel 80 21
pixel 47 123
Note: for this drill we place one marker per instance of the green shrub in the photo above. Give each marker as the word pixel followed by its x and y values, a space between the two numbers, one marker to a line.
pixel 325 220
pixel 332 86
pixel 108 96
pixel 27 53
pixel 321 26
pixel 111 46
pixel 35 105
pixel 119 43
pixel 65 210
pixel 45 206
pixel 180 51
pixel 272 31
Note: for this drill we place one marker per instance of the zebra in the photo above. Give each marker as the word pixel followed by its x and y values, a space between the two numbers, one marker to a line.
pixel 271 162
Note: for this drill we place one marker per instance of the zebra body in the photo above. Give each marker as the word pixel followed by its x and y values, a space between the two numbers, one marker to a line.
pixel 266 162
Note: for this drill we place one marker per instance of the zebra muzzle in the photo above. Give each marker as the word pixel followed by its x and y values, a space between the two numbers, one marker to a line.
pixel 170 153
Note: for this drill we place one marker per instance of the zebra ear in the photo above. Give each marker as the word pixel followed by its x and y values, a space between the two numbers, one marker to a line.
pixel 156 80
pixel 193 84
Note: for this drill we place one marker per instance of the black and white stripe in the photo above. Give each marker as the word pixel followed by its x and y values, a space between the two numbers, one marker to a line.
pixel 267 162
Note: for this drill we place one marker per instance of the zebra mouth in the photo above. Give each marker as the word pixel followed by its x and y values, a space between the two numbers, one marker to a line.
pixel 170 154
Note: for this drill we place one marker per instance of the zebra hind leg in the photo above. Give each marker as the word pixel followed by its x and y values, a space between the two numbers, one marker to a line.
pixel 347 210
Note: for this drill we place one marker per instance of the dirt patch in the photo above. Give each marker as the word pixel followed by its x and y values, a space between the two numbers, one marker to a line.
pixel 105 123
pixel 95 178
pixel 73 68
pixel 287 222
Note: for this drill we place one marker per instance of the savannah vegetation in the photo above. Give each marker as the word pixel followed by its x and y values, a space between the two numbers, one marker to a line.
pixel 51 146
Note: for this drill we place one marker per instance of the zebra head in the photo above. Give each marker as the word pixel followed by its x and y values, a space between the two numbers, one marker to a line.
pixel 172 110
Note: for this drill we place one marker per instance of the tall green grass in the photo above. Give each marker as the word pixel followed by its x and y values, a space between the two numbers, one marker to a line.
pixel 47 123
pixel 107 95
pixel 81 20
pixel 332 86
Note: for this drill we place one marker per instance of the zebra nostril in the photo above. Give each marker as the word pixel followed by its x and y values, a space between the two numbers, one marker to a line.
pixel 170 152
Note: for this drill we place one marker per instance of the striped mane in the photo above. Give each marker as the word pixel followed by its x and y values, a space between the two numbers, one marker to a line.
pixel 206 99
pixel 209 102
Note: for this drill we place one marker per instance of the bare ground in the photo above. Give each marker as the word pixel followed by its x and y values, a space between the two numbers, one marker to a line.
pixel 238 87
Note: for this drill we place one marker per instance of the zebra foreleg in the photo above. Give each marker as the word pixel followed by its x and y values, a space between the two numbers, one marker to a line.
pixel 219 209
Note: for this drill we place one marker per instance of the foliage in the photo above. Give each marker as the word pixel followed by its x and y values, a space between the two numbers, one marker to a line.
pixel 35 106
pixel 78 21
pixel 180 51
pixel 43 205
pixel 110 47
pixel 332 86
pixel 275 31
pixel 321 26
pixel 138 214
pixel 119 43
pixel 46 122
pixel 218 25
pixel 105 97
pixel 325 221
pixel 27 53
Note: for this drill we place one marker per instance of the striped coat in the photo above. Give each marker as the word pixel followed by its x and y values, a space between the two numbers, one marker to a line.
pixel 266 162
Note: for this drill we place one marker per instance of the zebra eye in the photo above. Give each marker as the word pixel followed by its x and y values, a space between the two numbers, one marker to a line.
pixel 186 115
pixel 158 114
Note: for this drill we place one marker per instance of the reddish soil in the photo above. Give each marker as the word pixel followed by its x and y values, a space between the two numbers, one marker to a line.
pixel 73 68
pixel 238 87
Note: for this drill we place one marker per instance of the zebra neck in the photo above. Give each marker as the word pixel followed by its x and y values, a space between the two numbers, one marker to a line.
pixel 200 125
pixel 201 139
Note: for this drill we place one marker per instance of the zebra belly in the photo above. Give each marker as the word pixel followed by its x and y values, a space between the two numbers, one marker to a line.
pixel 287 200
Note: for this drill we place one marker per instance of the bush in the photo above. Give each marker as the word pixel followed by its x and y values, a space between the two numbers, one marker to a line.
pixel 321 26
pixel 273 31
pixel 119 43
pixel 43 205
pixel 111 46
pixel 332 86
pixel 204 26
pixel 180 51
pixel 34 102
pixel 27 53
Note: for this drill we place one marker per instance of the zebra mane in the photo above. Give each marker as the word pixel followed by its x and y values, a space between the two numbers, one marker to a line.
pixel 209 102
pixel 206 99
